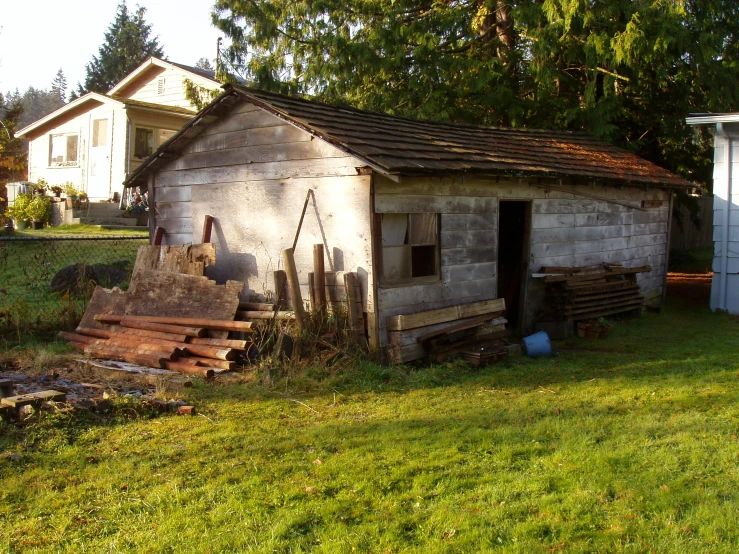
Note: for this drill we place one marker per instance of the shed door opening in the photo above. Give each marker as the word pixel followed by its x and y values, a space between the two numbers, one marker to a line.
pixel 513 244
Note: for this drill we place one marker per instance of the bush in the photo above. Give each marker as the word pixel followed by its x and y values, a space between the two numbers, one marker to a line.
pixel 19 211
pixel 40 209
pixel 70 189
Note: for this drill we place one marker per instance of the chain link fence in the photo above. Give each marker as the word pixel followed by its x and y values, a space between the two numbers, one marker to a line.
pixel 45 283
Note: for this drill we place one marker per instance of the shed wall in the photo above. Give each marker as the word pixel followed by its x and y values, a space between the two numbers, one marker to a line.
pixel 252 171
pixel 566 230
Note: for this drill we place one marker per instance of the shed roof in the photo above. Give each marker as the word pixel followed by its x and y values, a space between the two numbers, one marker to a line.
pixel 395 145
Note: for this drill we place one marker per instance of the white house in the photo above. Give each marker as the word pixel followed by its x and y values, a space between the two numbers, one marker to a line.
pixel 96 141
pixel 725 286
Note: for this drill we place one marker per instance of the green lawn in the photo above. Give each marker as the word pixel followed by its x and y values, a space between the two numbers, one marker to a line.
pixel 28 266
pixel 81 230
pixel 626 444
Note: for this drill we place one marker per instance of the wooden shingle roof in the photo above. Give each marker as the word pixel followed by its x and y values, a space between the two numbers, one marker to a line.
pixel 397 145
pixel 403 146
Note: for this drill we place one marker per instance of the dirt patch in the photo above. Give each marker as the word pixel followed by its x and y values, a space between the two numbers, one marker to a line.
pixel 689 289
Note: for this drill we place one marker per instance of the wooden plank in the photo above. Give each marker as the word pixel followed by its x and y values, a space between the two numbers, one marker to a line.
pixel 452 313
pixel 394 203
pixel 606 305
pixel 605 312
pixel 279 134
pixel 33 398
pixel 150 334
pixel 167 210
pixel 157 236
pixel 187 296
pixel 412 336
pixel 319 276
pixel 291 272
pixel 207 228
pixel 468 239
pixel 280 279
pixel 265 153
pixel 408 353
pixel 461 256
pixel 469 222
pixel 256 306
pixel 469 272
pixel 174 194
pixel 103 301
pixel 354 307
pixel 221 325
pixel 418 297
pixel 163 328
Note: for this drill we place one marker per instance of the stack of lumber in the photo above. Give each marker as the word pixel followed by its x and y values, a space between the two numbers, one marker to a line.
pixel 442 332
pixel 578 293
pixel 174 343
pixel 172 316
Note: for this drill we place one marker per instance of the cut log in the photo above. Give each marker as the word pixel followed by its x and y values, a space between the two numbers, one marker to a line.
pixel 99 333
pixel 132 358
pixel 221 325
pixel 210 352
pixel 149 334
pixel 74 337
pixel 319 279
pixel 189 369
pixel 167 353
pixel 210 362
pixel 163 327
pixel 227 343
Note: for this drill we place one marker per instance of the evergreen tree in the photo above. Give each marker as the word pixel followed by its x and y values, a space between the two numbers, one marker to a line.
pixel 59 86
pixel 204 63
pixel 628 71
pixel 127 45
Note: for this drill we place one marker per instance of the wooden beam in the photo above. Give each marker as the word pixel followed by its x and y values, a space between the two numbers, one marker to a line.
pixel 217 324
pixel 157 236
pixel 207 228
pixel 291 272
pixel 319 279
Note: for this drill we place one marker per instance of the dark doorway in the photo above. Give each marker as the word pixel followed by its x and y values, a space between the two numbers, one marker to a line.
pixel 514 218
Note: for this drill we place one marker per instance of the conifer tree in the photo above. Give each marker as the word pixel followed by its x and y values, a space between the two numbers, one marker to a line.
pixel 127 44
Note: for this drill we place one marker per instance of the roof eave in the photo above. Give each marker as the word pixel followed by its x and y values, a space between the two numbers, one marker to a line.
pixel 56 113
pixel 711 119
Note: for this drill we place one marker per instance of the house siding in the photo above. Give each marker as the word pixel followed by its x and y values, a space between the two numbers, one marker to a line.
pixel 146 89
pixel 725 286
pixel 251 171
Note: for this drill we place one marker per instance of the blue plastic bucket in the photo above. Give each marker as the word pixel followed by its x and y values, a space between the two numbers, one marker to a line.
pixel 537 345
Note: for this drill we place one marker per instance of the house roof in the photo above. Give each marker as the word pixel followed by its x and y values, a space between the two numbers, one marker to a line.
pixel 708 118
pixel 394 145
pixel 103 99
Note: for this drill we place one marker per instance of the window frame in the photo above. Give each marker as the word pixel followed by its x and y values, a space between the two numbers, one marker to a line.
pixel 380 247
pixel 66 162
pixel 156 141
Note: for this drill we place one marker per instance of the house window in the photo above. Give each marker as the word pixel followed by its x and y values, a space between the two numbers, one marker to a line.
pixel 143 142
pixel 63 150
pixel 410 247
pixel 99 132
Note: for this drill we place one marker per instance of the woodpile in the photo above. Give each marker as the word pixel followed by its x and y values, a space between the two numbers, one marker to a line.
pixel 184 350
pixel 580 293
pixel 441 333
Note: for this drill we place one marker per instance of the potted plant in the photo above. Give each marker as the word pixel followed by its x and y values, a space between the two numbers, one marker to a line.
pixel 39 210
pixel 57 190
pixel 138 207
pixel 19 210
pixel 82 199
pixel 70 192
pixel 40 188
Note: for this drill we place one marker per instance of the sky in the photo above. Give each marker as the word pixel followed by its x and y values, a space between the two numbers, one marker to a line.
pixel 37 37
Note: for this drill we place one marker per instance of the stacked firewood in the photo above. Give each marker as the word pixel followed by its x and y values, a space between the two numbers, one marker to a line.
pixel 173 343
pixel 579 293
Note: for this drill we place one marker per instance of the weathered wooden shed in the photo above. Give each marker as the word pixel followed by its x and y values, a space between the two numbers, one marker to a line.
pixel 428 214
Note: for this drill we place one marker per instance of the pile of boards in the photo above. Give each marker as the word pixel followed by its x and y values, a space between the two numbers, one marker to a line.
pixel 579 293
pixel 171 317
pixel 169 343
pixel 441 333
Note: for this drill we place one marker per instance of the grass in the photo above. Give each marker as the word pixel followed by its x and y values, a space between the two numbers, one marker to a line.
pixel 81 230
pixel 624 444
pixel 27 268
